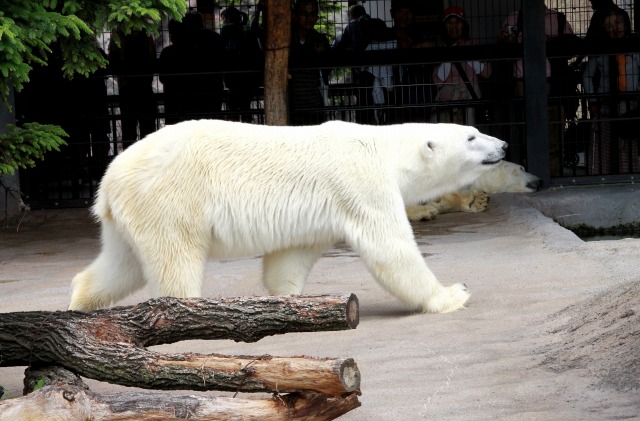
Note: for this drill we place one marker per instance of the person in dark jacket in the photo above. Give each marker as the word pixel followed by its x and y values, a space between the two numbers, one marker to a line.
pixel 306 96
pixel 191 71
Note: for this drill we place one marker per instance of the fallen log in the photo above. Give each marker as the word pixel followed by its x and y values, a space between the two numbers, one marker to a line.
pixel 71 403
pixel 108 344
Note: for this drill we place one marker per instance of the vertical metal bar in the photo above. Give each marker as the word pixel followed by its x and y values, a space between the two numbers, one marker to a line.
pixel 535 88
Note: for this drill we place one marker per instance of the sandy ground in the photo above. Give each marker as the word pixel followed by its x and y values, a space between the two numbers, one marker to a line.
pixel 552 330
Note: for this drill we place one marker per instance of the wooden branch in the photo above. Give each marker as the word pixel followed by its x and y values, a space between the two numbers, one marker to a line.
pixel 109 344
pixel 259 374
pixel 73 403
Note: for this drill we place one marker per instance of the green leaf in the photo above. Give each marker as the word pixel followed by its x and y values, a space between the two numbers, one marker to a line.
pixel 39 385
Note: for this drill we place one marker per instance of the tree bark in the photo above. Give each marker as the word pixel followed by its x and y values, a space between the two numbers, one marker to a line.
pixel 71 403
pixel 278 18
pixel 108 344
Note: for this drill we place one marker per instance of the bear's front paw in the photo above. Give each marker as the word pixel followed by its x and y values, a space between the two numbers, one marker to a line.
pixel 447 299
pixel 479 201
pixel 423 212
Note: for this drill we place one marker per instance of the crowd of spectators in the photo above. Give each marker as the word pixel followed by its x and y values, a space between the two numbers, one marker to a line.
pixel 204 73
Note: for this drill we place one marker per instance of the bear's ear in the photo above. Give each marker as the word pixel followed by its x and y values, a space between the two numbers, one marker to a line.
pixel 427 148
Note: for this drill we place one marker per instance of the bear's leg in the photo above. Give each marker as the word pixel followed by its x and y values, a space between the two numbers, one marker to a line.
pixel 285 271
pixel 397 264
pixel 175 267
pixel 114 274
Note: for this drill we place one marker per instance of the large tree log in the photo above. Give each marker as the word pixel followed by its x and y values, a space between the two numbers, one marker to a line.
pixel 71 403
pixel 109 344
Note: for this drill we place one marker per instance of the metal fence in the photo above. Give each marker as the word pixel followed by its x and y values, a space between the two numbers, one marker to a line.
pixel 591 126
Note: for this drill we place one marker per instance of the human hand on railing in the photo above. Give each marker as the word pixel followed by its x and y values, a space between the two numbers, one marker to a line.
pixel 477 66
pixel 508 35
pixel 443 71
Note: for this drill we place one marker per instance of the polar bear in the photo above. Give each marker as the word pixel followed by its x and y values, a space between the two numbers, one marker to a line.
pixel 221 189
pixel 506 177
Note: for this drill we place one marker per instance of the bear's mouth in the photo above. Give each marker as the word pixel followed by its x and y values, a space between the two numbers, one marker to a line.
pixel 494 162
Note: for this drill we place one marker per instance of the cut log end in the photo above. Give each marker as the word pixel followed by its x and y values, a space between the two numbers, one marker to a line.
pixel 350 375
pixel 353 311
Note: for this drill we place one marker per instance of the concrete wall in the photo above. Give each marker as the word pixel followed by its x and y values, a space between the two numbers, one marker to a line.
pixel 595 206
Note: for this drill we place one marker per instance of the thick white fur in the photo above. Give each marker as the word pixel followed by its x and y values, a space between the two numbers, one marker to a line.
pixel 505 177
pixel 220 189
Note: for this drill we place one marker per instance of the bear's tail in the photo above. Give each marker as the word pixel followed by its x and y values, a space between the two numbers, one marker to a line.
pixel 101 209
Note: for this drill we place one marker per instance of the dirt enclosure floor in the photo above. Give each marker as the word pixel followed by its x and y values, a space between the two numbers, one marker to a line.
pixel 552 330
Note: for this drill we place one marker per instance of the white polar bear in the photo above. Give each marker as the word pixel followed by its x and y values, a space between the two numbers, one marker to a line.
pixel 221 189
pixel 505 177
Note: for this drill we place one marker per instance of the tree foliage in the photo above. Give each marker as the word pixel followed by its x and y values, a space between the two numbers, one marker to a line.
pixel 20 146
pixel 29 27
pixel 326 19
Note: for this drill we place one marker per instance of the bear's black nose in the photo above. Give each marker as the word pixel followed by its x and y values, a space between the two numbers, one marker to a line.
pixel 505 146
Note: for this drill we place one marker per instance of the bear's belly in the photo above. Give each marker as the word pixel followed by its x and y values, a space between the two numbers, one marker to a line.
pixel 247 243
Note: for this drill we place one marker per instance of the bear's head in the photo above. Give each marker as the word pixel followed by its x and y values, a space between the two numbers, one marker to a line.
pixel 460 152
pixel 508 177
pixel 450 156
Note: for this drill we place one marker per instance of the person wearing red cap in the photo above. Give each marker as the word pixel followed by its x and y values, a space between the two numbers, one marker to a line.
pixel 455 11
pixel 458 81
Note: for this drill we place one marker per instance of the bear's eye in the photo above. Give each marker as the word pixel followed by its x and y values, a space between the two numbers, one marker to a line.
pixel 471 137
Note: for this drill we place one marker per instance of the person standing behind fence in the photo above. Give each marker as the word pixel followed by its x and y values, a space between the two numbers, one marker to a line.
pixel 555 27
pixel 458 81
pixel 614 137
pixel 191 71
pixel 601 9
pixel 132 58
pixel 306 98
pixel 364 32
pixel 355 36
pixel 244 59
pixel 412 92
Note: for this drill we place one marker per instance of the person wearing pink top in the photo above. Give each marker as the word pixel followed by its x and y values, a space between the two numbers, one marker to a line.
pixel 458 81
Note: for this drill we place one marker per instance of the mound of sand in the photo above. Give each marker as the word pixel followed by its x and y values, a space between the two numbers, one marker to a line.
pixel 601 336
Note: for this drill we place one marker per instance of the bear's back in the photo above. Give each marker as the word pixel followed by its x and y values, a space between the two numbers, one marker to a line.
pixel 216 146
pixel 209 162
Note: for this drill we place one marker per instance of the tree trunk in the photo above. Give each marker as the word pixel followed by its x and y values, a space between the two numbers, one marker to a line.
pixel 71 403
pixel 278 23
pixel 109 344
